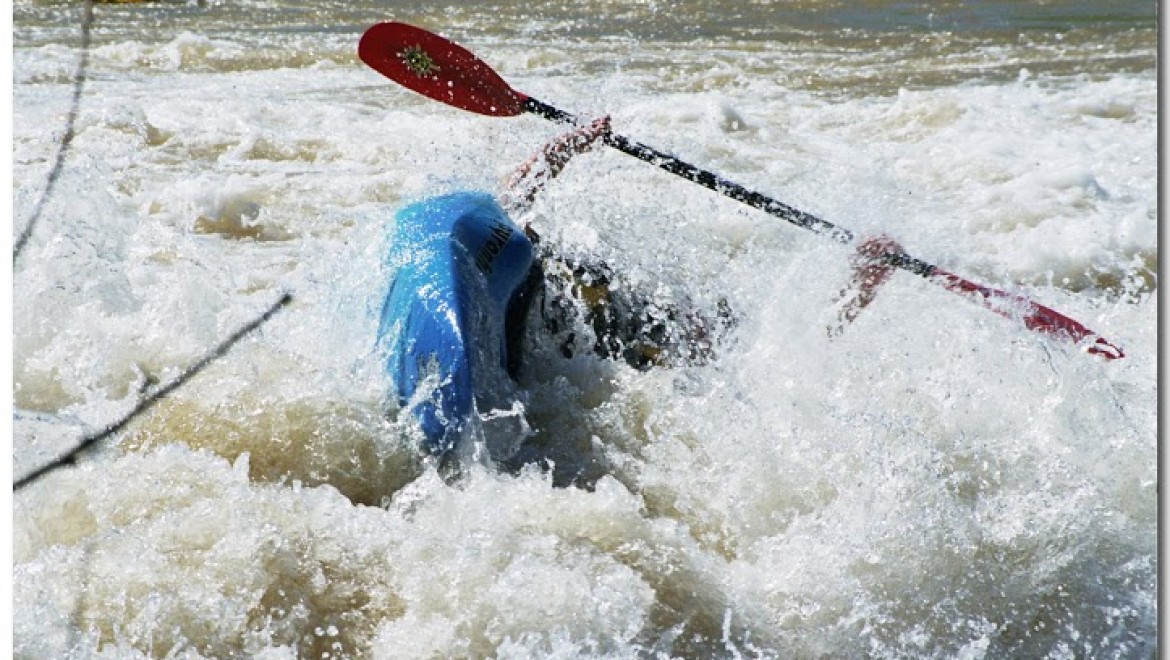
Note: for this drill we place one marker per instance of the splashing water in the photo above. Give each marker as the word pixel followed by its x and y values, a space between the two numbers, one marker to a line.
pixel 933 483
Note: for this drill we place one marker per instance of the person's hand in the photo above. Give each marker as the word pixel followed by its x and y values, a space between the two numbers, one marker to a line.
pixel 869 261
pixel 871 269
pixel 547 163
pixel 582 139
pixel 558 152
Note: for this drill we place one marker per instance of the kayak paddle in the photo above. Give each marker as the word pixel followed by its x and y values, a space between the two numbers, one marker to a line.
pixel 445 71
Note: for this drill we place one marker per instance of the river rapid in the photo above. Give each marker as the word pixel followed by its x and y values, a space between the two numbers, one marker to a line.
pixel 935 482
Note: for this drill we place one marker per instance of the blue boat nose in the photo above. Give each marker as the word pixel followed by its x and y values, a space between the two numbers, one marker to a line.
pixel 458 260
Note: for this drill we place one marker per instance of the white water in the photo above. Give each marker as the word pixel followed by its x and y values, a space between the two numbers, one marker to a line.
pixel 938 482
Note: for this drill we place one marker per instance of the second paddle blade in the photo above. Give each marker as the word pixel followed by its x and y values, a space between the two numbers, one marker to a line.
pixel 438 68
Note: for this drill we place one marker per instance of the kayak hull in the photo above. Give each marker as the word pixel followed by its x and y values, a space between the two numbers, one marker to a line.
pixel 455 261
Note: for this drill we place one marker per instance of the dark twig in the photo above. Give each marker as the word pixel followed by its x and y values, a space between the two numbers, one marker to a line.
pixel 54 174
pixel 70 457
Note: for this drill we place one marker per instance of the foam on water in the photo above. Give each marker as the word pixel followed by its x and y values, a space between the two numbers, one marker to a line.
pixel 936 482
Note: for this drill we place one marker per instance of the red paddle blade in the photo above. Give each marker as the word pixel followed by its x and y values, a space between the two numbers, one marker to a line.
pixel 438 68
pixel 1035 316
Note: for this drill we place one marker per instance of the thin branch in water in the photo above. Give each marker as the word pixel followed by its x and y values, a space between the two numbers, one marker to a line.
pixel 70 457
pixel 54 174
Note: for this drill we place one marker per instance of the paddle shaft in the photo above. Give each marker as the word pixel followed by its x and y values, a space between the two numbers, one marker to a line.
pixel 1034 316
pixel 440 69
pixel 727 188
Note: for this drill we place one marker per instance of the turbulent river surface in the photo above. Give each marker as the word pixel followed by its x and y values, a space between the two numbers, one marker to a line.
pixel 934 482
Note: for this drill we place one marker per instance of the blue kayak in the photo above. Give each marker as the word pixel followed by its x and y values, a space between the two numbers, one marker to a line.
pixel 456 261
